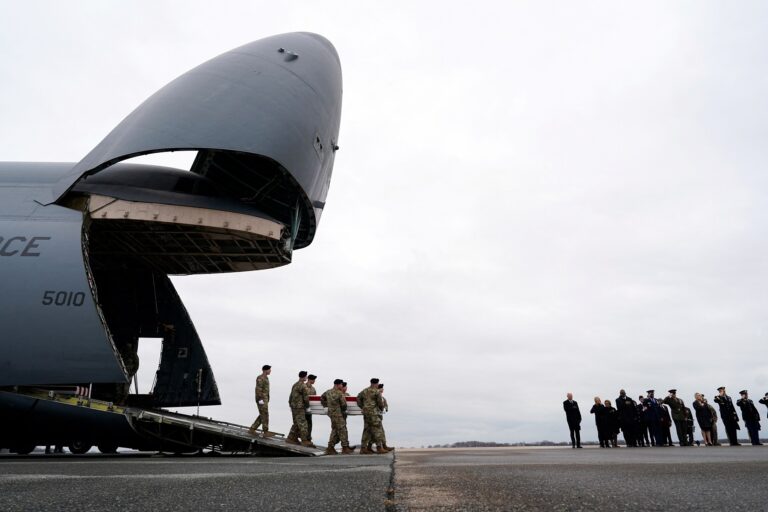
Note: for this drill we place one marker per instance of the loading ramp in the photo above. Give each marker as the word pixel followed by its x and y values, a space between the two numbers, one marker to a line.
pixel 204 433
pixel 68 416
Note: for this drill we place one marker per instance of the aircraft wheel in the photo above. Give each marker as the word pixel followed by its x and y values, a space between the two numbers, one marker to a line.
pixel 107 447
pixel 24 449
pixel 79 447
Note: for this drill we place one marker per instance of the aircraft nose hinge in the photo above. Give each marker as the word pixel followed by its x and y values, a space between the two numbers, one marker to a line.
pixel 289 55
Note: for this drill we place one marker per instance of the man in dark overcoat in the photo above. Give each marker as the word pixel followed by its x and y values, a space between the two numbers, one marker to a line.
pixel 573 416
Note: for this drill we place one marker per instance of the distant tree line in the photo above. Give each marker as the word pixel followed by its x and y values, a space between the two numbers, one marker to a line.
pixel 492 444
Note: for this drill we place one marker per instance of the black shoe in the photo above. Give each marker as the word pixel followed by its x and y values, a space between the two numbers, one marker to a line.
pixel 578 446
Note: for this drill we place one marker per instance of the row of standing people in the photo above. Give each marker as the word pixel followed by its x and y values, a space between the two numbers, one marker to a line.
pixel 370 400
pixel 648 422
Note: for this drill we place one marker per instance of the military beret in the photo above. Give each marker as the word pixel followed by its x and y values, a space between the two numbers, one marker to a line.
pixel 721 388
pixel 266 367
pixel 743 392
pixel 312 377
pixel 673 391
pixel 381 386
pixel 374 380
pixel 650 391
pixel 336 382
pixel 302 374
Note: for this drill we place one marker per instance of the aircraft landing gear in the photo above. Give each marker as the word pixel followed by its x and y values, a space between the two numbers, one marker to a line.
pixel 79 447
pixel 107 447
pixel 23 449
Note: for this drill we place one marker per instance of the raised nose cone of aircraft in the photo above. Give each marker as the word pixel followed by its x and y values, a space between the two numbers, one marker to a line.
pixel 264 118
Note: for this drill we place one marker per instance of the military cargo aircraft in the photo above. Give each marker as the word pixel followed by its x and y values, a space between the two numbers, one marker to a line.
pixel 86 248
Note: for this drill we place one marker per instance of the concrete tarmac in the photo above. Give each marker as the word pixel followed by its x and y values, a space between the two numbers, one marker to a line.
pixel 525 479
pixel 188 483
pixel 590 479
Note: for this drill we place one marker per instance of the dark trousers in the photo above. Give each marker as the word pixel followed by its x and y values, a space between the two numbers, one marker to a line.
pixel 575 435
pixel 754 432
pixel 657 436
pixel 730 430
pixel 681 429
pixel 643 435
pixel 629 434
pixel 666 436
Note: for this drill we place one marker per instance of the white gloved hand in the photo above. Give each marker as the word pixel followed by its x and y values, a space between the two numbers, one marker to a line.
pixel 261 402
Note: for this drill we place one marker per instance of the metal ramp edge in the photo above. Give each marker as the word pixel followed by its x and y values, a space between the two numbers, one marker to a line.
pixel 207 433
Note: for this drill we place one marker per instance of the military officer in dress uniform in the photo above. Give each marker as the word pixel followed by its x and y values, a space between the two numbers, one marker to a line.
pixel 262 401
pixel 764 400
pixel 573 417
pixel 728 415
pixel 653 417
pixel 678 415
pixel 750 416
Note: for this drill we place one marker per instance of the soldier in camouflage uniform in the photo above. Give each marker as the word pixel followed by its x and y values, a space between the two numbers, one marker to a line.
pixel 344 392
pixel 262 401
pixel 381 415
pixel 336 403
pixel 311 391
pixel 713 412
pixel 371 403
pixel 299 402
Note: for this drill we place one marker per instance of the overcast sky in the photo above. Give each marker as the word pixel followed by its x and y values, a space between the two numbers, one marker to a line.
pixel 530 198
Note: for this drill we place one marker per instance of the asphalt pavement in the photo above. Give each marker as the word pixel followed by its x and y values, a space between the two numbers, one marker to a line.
pixel 518 479
pixel 591 479
pixel 190 483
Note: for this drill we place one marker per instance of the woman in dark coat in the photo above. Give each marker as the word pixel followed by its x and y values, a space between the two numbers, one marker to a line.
pixel 599 411
pixel 612 424
pixel 704 418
